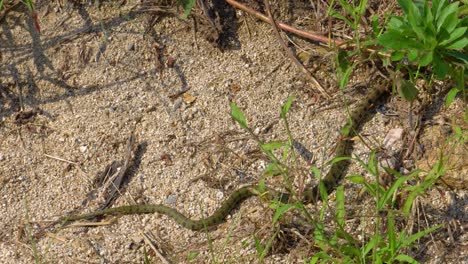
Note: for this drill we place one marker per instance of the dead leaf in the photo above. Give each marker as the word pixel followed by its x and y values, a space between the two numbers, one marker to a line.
pixel 234 88
pixel 188 98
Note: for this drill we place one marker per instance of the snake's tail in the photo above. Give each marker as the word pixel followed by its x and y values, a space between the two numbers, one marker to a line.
pixel 216 218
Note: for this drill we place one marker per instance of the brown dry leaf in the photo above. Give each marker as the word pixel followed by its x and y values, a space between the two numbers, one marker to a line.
pixel 234 88
pixel 188 98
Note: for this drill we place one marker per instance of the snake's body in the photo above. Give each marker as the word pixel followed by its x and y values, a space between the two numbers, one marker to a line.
pixel 335 174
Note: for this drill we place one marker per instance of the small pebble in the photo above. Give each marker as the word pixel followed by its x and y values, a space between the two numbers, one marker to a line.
pixel 171 199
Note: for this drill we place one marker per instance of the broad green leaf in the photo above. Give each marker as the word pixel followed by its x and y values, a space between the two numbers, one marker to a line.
pixel 426 58
pixel 437 7
pixel 397 41
pixel 462 57
pixel 287 106
pixel 450 23
pixel 414 19
pixel 454 35
pixel 446 12
pixel 397 55
pixel 459 44
pixel 395 23
pixel 273 145
pixel 238 116
pixel 428 19
pixel 413 54
pixel 407 90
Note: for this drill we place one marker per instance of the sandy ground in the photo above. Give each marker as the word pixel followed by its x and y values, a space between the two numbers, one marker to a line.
pixel 71 96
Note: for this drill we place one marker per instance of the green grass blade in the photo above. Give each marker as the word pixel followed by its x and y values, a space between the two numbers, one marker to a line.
pixel 238 116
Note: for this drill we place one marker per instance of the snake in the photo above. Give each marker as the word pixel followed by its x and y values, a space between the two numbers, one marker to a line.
pixel 344 147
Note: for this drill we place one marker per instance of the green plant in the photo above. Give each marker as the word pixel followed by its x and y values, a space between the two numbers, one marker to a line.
pixel 382 247
pixel 430 36
pixel 187 6
pixel 354 11
pixel 340 246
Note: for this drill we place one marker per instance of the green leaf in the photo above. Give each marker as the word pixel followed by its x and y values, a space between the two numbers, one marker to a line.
pixel 347 7
pixel 413 54
pixel 272 169
pixel 371 244
pixel 258 246
pixel 451 96
pixel 323 192
pixel 407 90
pixel 187 5
pixel 405 5
pixel 340 206
pixel 238 116
pixel 439 66
pixel 281 210
pixel 436 7
pixel 414 237
pixel 375 25
pixel 397 41
pixel 286 106
pixel 272 145
pixel 345 78
pixel 426 58
pixel 389 193
pixel 406 259
pixel 356 179
pixel 446 13
pixel 395 23
pixel 397 55
pixel 457 33
pixel 341 17
pixel 459 44
pixel 192 255
pixel 391 233
pixel 450 23
pixel 414 19
pixel 320 256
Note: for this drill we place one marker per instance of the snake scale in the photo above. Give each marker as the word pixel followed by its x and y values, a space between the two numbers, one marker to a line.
pixel 335 174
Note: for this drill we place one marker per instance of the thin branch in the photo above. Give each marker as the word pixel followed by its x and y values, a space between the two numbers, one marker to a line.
pixel 290 54
pixel 285 27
